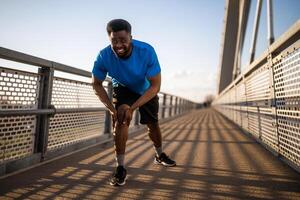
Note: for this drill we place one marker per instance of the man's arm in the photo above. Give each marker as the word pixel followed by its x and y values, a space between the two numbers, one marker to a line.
pixel 102 95
pixel 154 88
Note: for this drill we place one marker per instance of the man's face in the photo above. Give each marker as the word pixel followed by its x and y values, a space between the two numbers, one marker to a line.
pixel 121 43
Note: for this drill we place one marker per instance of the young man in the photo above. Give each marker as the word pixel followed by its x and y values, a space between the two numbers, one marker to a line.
pixel 135 72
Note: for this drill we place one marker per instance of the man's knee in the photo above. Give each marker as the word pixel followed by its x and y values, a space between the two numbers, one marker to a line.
pixel 153 127
pixel 121 114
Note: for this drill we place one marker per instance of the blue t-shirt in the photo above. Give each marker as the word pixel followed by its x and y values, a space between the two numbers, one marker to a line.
pixel 132 72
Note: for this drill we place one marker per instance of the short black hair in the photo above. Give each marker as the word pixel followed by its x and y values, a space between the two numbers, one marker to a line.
pixel 118 25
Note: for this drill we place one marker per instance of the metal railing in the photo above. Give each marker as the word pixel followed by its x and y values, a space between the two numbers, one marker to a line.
pixel 41 113
pixel 265 99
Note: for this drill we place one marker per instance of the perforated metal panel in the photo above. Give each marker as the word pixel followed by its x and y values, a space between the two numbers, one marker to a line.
pixel 254 125
pixel 69 128
pixel 231 99
pixel 238 99
pixel 73 94
pixel 161 97
pixel 234 107
pixel 258 85
pixel 238 114
pixel 241 93
pixel 240 109
pixel 287 91
pixel 16 136
pixel 258 113
pixel 258 90
pixel 18 90
pixel 168 103
pixel 244 118
pixel 167 108
pixel 132 123
pixel 268 128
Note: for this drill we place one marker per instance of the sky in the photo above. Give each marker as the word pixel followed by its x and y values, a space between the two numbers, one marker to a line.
pixel 285 14
pixel 186 35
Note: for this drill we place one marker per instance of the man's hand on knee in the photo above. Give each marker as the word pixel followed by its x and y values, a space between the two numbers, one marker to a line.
pixel 124 115
pixel 128 116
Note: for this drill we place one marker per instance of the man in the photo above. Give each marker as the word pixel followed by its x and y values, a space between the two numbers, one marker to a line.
pixel 135 72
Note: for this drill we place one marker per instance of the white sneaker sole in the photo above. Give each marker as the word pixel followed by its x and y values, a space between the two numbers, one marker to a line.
pixel 164 164
pixel 118 184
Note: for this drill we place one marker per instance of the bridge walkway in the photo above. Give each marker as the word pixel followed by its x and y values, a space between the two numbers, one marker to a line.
pixel 216 160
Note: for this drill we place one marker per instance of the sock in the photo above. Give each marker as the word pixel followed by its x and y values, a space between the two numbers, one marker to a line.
pixel 120 159
pixel 158 150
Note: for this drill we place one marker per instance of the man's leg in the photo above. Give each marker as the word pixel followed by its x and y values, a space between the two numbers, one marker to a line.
pixel 155 135
pixel 120 137
pixel 121 131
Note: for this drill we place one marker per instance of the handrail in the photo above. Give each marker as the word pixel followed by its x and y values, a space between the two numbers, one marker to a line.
pixel 17 56
pixel 52 111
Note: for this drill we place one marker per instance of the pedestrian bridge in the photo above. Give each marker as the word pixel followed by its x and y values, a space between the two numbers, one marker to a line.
pixel 56 136
pixel 215 160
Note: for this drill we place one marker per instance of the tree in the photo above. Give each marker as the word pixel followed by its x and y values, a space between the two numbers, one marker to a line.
pixel 208 100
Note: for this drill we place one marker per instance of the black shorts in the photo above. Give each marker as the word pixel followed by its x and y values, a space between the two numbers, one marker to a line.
pixel 148 111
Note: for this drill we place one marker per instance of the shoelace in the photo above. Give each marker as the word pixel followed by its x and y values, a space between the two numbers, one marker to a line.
pixel 118 173
pixel 166 158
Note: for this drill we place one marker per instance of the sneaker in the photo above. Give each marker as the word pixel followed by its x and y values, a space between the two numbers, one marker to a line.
pixel 164 160
pixel 119 177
